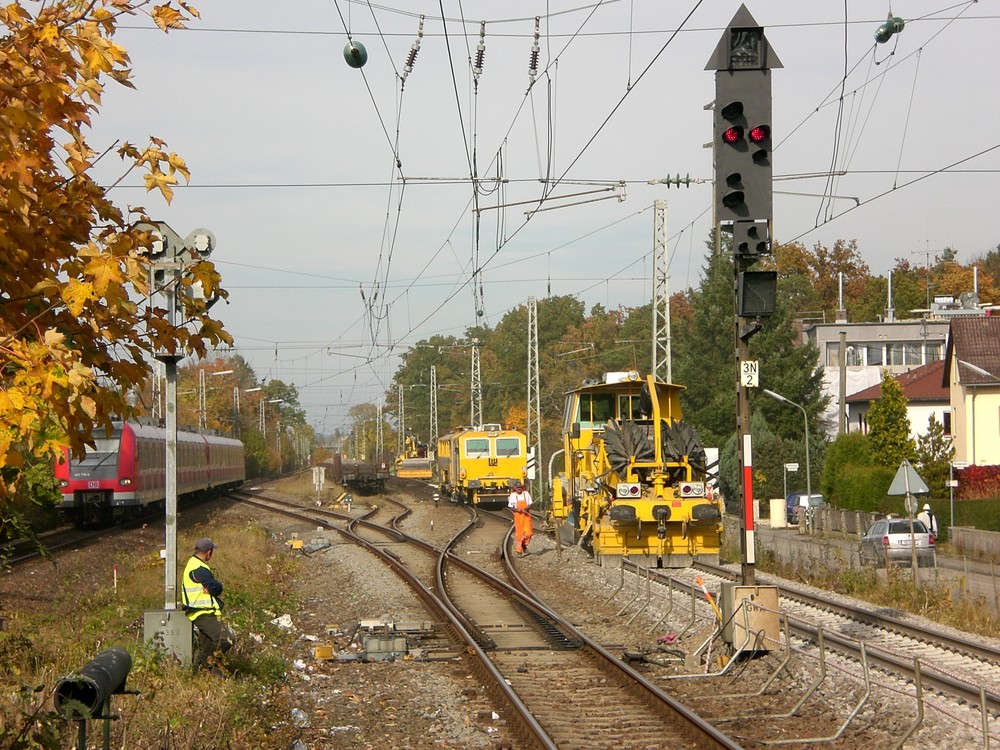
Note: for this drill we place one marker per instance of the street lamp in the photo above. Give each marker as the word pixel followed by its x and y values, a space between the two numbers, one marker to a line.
pixel 805 420
pixel 202 407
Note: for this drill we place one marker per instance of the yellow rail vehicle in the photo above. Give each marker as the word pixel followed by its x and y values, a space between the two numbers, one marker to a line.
pixel 633 481
pixel 481 465
pixel 414 463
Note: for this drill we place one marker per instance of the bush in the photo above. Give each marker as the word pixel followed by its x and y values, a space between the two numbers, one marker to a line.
pixel 851 449
pixel 978 482
pixel 864 487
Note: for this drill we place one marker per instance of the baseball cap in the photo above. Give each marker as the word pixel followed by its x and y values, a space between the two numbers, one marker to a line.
pixel 204 545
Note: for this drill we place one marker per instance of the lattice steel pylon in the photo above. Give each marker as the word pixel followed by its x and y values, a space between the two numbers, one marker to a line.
pixel 401 437
pixel 662 368
pixel 432 443
pixel 379 439
pixel 533 429
pixel 156 407
pixel 476 405
pixel 202 409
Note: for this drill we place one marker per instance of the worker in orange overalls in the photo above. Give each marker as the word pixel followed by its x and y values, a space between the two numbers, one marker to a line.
pixel 519 503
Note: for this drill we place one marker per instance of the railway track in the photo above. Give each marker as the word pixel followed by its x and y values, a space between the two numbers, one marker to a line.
pixel 967 667
pixel 548 674
pixel 950 673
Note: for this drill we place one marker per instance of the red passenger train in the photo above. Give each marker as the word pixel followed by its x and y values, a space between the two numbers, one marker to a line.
pixel 126 472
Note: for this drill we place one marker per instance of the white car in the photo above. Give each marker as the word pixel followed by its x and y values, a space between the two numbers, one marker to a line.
pixel 891 540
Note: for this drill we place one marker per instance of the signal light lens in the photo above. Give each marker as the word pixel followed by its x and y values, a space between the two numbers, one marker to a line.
pixel 732 134
pixel 733 199
pixel 732 110
pixel 759 133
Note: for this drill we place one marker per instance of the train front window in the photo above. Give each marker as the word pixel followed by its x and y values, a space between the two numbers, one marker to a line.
pixel 477 447
pixel 596 409
pixel 508 447
pixel 105 451
pixel 628 406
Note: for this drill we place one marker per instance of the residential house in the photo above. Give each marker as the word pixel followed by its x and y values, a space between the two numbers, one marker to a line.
pixel 925 396
pixel 972 375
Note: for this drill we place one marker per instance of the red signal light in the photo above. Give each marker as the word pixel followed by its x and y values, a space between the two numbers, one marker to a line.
pixel 732 134
pixel 759 133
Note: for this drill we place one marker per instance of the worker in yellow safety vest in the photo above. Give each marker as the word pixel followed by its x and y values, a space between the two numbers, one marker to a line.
pixel 201 591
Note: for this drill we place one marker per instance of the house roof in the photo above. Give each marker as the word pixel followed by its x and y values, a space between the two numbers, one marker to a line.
pixel 975 344
pixel 919 384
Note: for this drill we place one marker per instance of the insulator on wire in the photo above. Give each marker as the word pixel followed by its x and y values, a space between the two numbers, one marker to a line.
pixel 411 58
pixel 893 25
pixel 533 59
pixel 477 69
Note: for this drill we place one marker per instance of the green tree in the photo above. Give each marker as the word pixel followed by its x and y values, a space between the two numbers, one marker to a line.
pixel 848 451
pixel 704 363
pixel 889 425
pixel 934 454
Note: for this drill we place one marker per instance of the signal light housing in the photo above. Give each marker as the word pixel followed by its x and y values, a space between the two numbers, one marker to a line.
pixel 751 238
pixel 743 187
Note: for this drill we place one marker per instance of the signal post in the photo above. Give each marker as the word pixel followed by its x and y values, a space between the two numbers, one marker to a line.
pixel 170 256
pixel 742 62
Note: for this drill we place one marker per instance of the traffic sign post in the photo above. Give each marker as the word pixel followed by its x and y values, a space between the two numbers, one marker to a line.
pixel 952 484
pixel 908 483
pixel 789 467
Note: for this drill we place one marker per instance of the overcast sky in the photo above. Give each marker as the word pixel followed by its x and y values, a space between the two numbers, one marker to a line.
pixel 341 199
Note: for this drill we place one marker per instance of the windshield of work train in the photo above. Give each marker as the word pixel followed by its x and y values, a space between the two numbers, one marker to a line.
pixel 595 409
pixel 508 447
pixel 477 447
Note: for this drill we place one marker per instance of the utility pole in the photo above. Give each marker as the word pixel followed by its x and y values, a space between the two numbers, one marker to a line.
pixel 742 62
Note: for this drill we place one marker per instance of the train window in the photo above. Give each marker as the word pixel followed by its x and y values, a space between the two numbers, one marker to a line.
pixel 477 447
pixel 628 406
pixel 508 447
pixel 596 409
pixel 569 414
pixel 105 453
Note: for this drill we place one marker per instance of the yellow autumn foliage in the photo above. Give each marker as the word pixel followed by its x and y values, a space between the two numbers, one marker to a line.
pixel 77 329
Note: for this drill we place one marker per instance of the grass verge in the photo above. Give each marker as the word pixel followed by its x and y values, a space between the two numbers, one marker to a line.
pixel 82 610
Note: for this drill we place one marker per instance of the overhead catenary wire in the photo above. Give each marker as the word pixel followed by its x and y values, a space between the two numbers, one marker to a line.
pixel 502 239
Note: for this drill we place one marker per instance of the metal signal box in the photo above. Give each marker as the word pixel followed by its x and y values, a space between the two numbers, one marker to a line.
pixel 750 617
pixel 170 630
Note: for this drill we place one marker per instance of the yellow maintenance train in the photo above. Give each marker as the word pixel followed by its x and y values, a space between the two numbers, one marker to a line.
pixel 633 481
pixel 480 465
pixel 414 463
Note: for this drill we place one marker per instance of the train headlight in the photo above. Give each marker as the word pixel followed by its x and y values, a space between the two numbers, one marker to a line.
pixel 125 482
pixel 692 489
pixel 628 490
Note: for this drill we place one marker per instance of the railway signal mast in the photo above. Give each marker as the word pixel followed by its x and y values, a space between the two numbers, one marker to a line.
pixel 742 62
pixel 169 256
